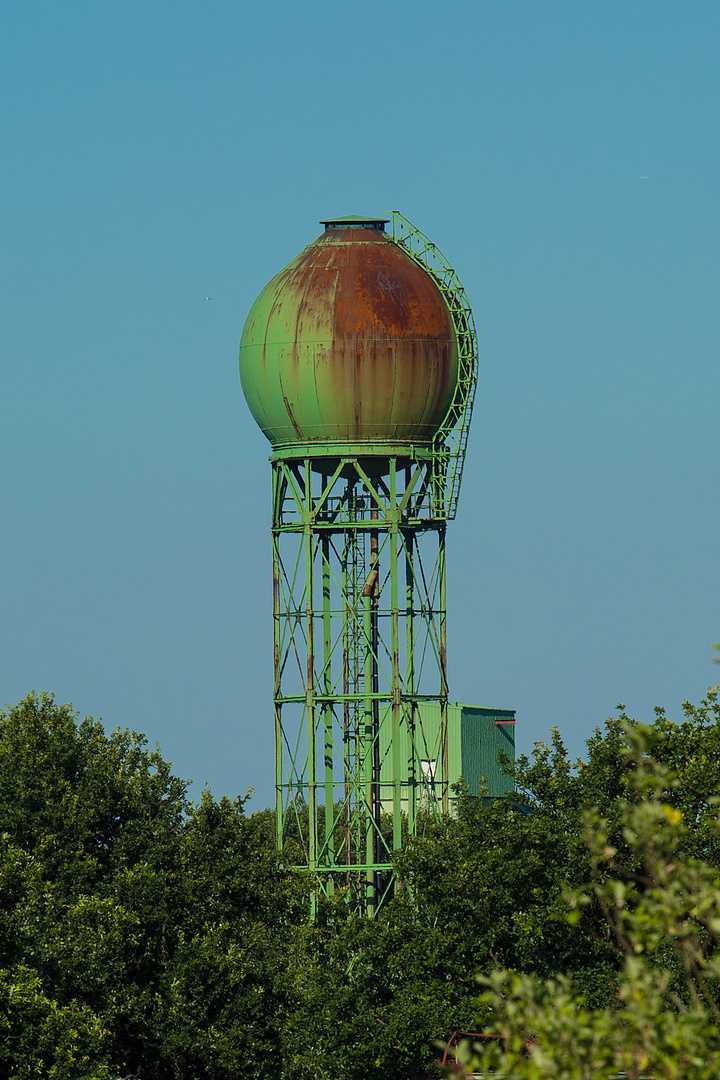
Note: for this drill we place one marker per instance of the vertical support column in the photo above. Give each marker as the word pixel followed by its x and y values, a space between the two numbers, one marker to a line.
pixel 396 688
pixel 370 593
pixel 443 672
pixel 310 706
pixel 327 706
pixel 347 614
pixel 367 753
pixel 410 689
pixel 277 703
pixel 373 587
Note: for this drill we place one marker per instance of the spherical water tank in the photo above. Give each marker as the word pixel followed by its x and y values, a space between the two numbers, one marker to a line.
pixel 351 342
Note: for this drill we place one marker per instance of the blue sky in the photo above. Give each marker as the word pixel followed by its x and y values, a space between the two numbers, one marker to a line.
pixel 156 153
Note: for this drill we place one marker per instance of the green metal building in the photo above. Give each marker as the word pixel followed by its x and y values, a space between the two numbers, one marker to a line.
pixel 359 363
pixel 477 738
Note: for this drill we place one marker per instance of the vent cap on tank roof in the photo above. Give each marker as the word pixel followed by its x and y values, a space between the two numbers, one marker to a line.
pixel 355 221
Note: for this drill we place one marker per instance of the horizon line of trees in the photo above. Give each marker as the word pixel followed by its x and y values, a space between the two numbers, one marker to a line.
pixel 142 932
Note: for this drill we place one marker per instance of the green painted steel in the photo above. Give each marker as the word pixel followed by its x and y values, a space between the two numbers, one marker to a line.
pixel 485 735
pixel 450 442
pixel 360 649
pixel 476 737
pixel 359 363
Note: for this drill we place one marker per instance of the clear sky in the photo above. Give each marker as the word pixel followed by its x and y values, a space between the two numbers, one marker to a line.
pixel 564 154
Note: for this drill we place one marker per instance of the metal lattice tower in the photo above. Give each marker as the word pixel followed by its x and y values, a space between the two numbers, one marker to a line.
pixel 359 511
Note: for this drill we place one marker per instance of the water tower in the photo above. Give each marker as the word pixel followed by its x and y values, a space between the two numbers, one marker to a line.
pixel 359 363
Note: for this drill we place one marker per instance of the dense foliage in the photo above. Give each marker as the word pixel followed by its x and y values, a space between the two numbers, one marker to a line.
pixel 137 931
pixel 661 902
pixel 141 932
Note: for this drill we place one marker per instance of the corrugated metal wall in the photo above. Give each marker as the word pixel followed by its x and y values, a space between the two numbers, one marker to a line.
pixel 483 734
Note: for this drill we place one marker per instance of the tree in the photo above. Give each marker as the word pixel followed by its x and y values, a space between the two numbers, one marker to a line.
pixel 90 826
pixel 368 999
pixel 224 992
pixel 136 929
pixel 662 907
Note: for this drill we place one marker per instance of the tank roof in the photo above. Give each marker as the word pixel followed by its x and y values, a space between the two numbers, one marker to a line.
pixel 356 221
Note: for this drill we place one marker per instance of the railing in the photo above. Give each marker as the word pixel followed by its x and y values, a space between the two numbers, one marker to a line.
pixel 450 442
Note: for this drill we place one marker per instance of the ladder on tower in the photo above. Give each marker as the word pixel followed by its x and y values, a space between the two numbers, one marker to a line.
pixel 450 443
